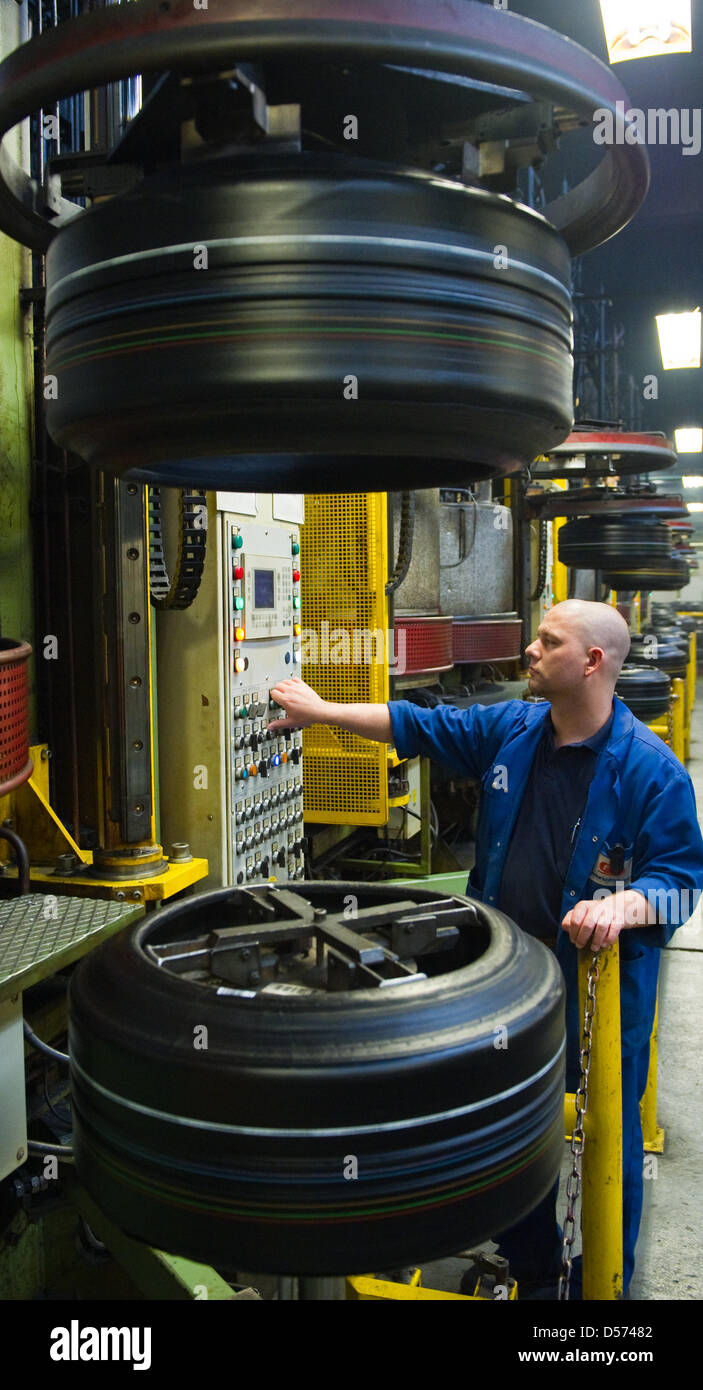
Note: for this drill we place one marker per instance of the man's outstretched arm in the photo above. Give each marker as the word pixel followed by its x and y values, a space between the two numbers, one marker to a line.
pixel 303 707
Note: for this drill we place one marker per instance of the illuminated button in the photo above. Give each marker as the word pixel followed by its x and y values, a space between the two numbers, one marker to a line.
pixel 253 770
pixel 241 773
pixel 237 572
pixel 296 576
pixel 284 757
pixel 240 664
pixel 276 760
pixel 296 601
pixel 295 548
pixel 242 712
pixel 239 634
pixel 238 542
pixel 238 602
pixel 296 629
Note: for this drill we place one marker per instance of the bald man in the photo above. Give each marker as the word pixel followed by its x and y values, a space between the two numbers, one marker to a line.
pixel 587 831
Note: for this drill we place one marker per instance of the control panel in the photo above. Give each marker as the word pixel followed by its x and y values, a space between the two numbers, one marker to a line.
pixel 265 774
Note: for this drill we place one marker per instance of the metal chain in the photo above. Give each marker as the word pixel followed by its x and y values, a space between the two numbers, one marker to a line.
pixel 573 1182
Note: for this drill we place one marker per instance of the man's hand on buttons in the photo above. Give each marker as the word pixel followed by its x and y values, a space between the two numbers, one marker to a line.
pixel 302 705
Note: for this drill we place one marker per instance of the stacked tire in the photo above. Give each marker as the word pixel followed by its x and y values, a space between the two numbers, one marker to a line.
pixel 645 692
pixel 633 553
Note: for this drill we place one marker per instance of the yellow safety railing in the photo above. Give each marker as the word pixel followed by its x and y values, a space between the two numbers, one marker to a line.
pixel 601 1190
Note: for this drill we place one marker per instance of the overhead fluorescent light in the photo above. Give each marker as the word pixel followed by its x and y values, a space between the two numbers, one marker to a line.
pixel 680 339
pixel 694 506
pixel 646 28
pixel 689 441
pixel 693 480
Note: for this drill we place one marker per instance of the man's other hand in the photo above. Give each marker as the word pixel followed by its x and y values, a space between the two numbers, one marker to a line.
pixel 597 923
pixel 302 704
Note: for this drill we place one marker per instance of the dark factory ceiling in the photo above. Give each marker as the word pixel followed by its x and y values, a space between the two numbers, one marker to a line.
pixel 655 265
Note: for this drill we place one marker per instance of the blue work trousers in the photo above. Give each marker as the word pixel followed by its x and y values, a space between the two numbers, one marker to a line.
pixel 533 1246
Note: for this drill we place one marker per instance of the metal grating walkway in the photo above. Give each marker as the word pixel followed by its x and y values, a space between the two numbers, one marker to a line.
pixel 41 933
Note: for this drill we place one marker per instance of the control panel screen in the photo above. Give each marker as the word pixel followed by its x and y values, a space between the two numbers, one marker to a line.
pixel 263 589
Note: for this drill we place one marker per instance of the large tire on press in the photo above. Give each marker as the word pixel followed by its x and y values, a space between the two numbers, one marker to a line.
pixel 317 1133
pixel 320 271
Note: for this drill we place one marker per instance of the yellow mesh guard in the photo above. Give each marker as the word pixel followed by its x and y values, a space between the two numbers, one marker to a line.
pixel 344 554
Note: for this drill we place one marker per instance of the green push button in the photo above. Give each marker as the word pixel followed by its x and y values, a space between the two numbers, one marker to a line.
pixel 237 542
pixel 295 548
pixel 239 602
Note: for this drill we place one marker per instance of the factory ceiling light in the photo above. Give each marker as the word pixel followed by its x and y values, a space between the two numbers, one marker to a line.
pixel 680 339
pixel 693 480
pixel 695 506
pixel 646 28
pixel 689 441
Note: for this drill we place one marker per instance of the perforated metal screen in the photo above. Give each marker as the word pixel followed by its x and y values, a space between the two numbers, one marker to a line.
pixel 345 651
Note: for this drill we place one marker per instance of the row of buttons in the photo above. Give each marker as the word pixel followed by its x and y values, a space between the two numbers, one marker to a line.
pixel 247 809
pixel 279 852
pixel 260 832
pixel 262 868
pixel 264 766
pixel 264 873
pixel 250 707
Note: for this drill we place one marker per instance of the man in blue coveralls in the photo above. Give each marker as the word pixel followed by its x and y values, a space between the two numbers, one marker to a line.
pixel 587 829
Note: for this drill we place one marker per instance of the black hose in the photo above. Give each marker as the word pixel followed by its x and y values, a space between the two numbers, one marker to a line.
pixel 405 542
pixel 21 856
pixel 542 572
pixel 56 1150
pixel 46 1048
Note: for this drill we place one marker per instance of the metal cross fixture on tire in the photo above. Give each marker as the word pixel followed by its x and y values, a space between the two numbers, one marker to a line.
pixel 275 293
pixel 325 1080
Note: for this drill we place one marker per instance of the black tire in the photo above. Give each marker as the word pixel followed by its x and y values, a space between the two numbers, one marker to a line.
pixel 475 1129
pixel 646 692
pixel 319 267
pixel 607 543
pixel 669 657
pixel 671 575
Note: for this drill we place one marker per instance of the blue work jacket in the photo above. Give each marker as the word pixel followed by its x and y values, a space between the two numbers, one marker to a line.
pixel 640 800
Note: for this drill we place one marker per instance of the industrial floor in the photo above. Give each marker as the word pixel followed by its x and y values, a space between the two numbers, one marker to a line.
pixel 669 1261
